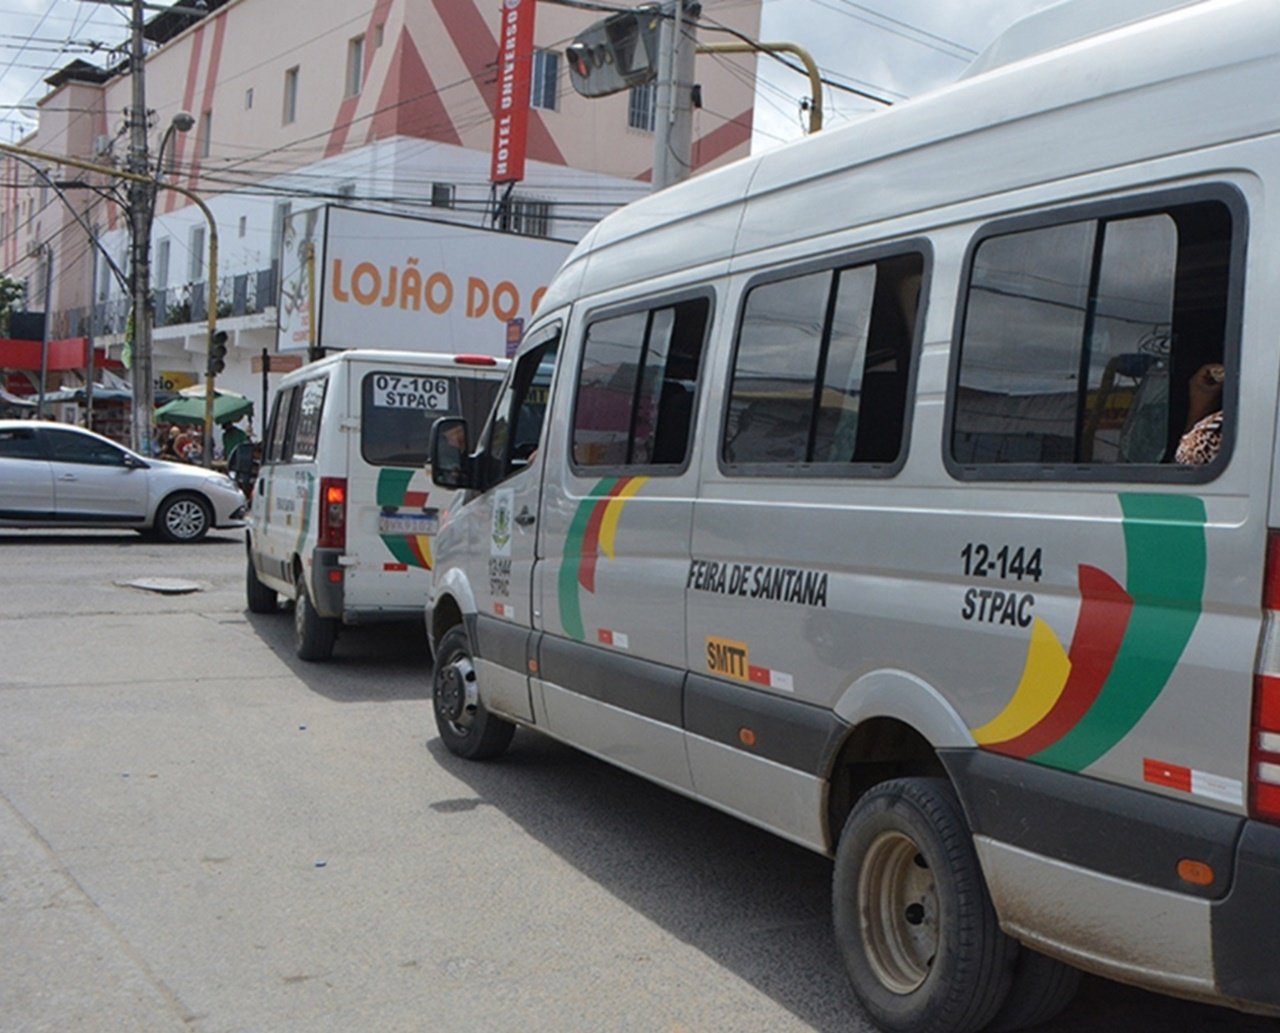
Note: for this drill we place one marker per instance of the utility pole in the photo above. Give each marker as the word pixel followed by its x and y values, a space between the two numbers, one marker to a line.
pixel 48 320
pixel 673 125
pixel 141 200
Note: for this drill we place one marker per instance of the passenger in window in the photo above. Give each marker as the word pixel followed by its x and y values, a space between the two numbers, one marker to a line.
pixel 1203 437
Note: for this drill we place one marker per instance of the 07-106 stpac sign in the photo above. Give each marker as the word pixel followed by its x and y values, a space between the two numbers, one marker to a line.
pixel 511 109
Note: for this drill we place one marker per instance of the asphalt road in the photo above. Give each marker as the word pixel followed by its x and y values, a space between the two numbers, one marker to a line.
pixel 200 833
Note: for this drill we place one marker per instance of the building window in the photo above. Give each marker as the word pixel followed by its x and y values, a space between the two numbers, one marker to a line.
pixel 355 65
pixel 1080 340
pixel 279 219
pixel 290 95
pixel 641 107
pixel 206 134
pixel 248 98
pixel 346 191
pixel 195 266
pixel 546 74
pixel 379 34
pixel 526 216
pixel 162 264
pixel 244 225
pixel 443 195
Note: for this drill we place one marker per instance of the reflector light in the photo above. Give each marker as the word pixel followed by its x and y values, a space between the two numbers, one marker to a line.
pixel 335 576
pixel 475 360
pixel 1195 872
pixel 746 736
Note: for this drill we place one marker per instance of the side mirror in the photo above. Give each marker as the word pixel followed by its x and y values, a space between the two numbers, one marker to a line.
pixel 449 455
pixel 133 462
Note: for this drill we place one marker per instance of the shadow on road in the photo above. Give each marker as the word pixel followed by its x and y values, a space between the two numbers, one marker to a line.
pixel 369 664
pixel 754 904
pixel 16 536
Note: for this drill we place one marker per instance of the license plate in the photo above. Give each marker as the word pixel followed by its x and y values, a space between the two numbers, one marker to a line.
pixel 408 523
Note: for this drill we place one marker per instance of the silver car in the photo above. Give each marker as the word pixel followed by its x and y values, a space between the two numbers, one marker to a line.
pixel 55 475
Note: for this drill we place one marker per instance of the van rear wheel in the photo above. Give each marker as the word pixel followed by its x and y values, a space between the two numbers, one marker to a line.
pixel 1042 987
pixel 466 728
pixel 914 923
pixel 313 635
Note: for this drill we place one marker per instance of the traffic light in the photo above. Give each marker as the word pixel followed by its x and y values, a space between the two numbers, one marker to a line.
pixel 217 353
pixel 615 54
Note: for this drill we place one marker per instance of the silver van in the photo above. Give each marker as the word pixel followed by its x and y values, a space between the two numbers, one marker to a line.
pixel 912 492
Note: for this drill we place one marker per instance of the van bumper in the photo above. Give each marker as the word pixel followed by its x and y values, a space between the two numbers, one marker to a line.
pixel 328 582
pixel 1053 842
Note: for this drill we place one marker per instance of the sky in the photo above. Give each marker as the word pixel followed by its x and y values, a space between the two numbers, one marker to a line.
pixel 891 48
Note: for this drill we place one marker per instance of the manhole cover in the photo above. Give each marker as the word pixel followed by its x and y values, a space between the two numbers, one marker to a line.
pixel 163 585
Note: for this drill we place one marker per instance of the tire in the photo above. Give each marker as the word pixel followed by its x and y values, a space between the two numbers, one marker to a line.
pixel 913 920
pixel 260 598
pixel 466 728
pixel 313 635
pixel 183 518
pixel 1042 987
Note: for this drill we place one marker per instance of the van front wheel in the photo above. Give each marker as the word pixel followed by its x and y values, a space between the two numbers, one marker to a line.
pixel 914 923
pixel 466 728
pixel 313 635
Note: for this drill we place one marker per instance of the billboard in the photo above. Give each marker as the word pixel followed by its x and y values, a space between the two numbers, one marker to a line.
pixel 394 281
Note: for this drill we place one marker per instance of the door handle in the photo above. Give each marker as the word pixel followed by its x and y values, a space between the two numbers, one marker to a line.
pixel 524 518
pixel 67 477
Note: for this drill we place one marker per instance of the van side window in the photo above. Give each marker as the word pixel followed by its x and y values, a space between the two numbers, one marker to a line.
pixel 1080 339
pixel 279 424
pixel 636 388
pixel 515 427
pixel 822 365
pixel 310 409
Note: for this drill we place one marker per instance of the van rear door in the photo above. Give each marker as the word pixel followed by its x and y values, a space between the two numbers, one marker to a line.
pixel 392 507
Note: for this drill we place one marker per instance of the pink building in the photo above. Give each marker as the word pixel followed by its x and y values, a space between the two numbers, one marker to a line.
pixel 386 104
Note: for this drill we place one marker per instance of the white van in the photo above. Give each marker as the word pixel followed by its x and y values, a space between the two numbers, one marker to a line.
pixel 344 513
pixel 849 489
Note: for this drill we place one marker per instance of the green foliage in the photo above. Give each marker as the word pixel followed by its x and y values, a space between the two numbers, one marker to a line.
pixel 11 295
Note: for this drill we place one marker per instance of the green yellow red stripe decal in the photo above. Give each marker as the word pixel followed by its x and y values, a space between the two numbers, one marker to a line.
pixel 1127 642
pixel 392 492
pixel 593 528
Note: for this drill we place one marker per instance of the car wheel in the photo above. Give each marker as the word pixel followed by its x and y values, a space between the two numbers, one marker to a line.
pixel 914 922
pixel 466 728
pixel 260 598
pixel 183 518
pixel 313 635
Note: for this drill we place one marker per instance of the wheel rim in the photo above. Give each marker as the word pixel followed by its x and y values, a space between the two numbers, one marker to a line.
pixel 456 694
pixel 185 518
pixel 898 905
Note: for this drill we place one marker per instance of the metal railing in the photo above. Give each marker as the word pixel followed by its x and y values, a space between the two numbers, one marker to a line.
pixel 241 294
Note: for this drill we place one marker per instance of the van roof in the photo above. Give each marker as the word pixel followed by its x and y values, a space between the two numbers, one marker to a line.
pixel 472 363
pixel 1149 78
pixel 1064 23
